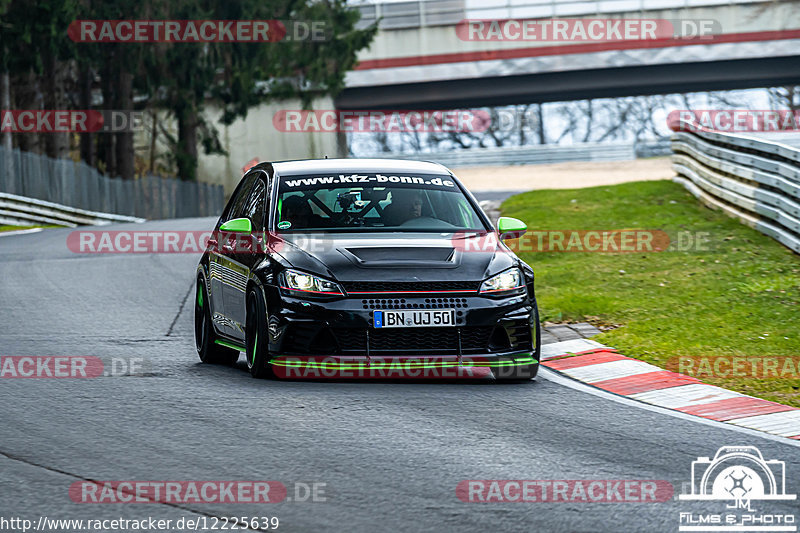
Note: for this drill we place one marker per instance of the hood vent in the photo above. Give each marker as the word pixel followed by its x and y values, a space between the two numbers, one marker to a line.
pixel 403 256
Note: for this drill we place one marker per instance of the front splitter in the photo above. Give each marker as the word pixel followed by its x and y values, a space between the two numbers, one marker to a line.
pixel 398 367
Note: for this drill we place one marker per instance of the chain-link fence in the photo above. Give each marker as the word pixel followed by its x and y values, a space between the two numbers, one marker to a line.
pixel 78 185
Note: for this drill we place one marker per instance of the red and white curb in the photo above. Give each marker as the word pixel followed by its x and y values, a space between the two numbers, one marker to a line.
pixel 593 363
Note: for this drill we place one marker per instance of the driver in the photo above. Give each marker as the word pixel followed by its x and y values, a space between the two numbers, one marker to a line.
pixel 296 210
pixel 406 205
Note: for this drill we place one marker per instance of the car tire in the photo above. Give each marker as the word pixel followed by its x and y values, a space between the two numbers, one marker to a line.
pixel 204 337
pixel 538 347
pixel 257 335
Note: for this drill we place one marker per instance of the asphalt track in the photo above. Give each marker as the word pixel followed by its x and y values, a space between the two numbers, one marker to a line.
pixel 390 454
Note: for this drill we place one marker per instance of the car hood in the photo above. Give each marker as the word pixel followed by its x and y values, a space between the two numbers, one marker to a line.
pixel 396 256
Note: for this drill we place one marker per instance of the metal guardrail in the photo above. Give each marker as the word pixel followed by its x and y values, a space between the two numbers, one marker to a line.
pixel 419 13
pixel 522 155
pixel 755 180
pixel 659 148
pixel 77 185
pixel 22 211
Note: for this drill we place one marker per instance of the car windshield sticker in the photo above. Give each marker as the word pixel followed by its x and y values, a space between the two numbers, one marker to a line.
pixel 284 225
pixel 369 180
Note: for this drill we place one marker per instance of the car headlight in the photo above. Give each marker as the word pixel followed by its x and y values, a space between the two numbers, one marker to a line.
pixel 507 280
pixel 301 281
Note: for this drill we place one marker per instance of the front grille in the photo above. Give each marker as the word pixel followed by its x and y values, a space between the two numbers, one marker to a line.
pixel 313 338
pixel 410 286
pixel 401 303
pixel 399 341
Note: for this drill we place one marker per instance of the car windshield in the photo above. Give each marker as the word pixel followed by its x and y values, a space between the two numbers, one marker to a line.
pixel 374 202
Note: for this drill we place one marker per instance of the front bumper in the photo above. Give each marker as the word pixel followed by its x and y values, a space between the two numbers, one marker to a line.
pixel 491 331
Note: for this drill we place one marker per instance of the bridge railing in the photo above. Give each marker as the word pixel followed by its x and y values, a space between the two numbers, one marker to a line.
pixel 419 13
pixel 753 179
pixel 525 155
pixel 397 15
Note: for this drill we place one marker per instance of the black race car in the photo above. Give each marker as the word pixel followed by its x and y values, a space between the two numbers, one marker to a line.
pixel 355 267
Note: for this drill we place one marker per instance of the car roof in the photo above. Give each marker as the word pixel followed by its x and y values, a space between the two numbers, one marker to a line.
pixel 325 166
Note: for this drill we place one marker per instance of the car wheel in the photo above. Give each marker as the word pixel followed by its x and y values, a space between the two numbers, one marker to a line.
pixel 204 336
pixel 257 336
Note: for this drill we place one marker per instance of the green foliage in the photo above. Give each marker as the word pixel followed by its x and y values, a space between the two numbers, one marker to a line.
pixel 33 30
pixel 186 78
pixel 737 294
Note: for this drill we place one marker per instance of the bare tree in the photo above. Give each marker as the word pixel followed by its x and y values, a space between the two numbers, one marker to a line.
pixel 785 98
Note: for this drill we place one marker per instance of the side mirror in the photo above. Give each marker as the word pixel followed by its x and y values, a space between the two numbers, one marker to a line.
pixel 510 228
pixel 238 225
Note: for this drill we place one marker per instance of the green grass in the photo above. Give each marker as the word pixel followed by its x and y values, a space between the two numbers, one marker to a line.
pixel 16 228
pixel 739 296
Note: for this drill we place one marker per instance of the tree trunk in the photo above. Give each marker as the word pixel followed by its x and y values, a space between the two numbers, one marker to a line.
pixel 540 124
pixel 28 96
pixel 589 121
pixel 85 97
pixel 187 143
pixel 105 149
pixel 56 144
pixel 5 103
pixel 125 155
pixel 521 113
pixel 153 139
pixel 342 150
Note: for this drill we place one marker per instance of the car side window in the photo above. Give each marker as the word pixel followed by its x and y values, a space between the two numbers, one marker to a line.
pixel 236 209
pixel 255 204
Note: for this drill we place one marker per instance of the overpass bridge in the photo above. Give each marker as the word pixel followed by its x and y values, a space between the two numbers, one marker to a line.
pixel 420 58
pixel 419 61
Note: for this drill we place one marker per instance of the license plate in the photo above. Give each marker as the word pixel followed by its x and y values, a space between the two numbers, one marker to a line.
pixel 414 318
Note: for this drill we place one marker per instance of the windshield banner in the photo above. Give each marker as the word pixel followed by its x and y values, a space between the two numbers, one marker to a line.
pixel 369 180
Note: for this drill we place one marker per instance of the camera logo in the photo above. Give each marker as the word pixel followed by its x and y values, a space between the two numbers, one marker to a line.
pixel 737 475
